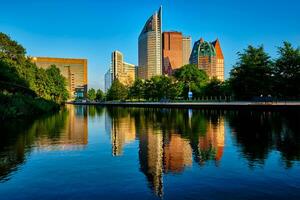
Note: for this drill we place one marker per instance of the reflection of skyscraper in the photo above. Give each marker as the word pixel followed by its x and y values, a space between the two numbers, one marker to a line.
pixel 177 154
pixel 211 145
pixel 161 147
pixel 122 132
pixel 73 135
pixel 151 158
pixel 209 57
pixel 149 47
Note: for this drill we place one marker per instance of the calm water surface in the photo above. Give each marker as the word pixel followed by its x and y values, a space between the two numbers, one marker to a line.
pixel 87 152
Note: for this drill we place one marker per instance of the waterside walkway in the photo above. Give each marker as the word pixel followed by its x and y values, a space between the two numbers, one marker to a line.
pixel 238 105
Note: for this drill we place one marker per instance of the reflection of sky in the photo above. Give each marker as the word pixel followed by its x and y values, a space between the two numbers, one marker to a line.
pixel 93 172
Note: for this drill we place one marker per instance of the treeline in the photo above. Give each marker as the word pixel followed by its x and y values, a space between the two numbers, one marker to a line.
pixel 26 89
pixel 255 75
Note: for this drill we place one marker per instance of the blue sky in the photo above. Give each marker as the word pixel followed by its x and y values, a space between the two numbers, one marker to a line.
pixel 93 29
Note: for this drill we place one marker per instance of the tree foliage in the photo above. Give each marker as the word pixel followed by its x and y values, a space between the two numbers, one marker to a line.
pixel 91 94
pixel 20 77
pixel 99 95
pixel 137 90
pixel 252 74
pixel 287 71
pixel 191 79
pixel 117 91
pixel 160 87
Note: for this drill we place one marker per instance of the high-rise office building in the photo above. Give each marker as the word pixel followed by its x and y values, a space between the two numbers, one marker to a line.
pixel 150 47
pixel 74 70
pixel 176 50
pixel 219 72
pixel 209 57
pixel 186 49
pixel 121 70
pixel 107 79
pixel 171 51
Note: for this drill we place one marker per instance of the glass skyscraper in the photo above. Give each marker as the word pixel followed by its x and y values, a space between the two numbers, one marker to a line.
pixel 209 57
pixel 150 47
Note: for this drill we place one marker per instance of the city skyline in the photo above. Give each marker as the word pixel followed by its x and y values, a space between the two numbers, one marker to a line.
pixel 56 34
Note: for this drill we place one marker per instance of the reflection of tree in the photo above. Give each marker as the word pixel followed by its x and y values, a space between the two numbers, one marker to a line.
pixel 65 129
pixel 94 111
pixel 258 133
pixel 253 132
pixel 19 137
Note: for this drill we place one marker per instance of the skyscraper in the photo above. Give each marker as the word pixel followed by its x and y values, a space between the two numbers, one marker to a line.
pixel 107 79
pixel 186 49
pixel 150 47
pixel 124 72
pixel 171 51
pixel 220 60
pixel 74 70
pixel 176 50
pixel 209 57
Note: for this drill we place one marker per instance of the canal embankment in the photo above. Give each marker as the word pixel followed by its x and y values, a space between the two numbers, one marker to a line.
pixel 238 105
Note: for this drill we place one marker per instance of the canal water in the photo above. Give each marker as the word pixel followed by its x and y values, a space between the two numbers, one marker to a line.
pixel 88 152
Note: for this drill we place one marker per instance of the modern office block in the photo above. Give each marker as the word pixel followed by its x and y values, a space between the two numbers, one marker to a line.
pixel 150 47
pixel 74 71
pixel 209 57
pixel 123 71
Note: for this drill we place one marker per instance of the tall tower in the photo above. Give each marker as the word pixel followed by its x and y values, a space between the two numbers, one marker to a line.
pixel 219 71
pixel 123 71
pixel 209 57
pixel 117 64
pixel 186 49
pixel 172 51
pixel 150 47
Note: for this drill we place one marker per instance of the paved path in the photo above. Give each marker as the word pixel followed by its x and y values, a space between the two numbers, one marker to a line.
pixel 238 105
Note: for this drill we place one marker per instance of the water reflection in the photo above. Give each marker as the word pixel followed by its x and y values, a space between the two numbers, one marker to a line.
pixel 65 130
pixel 257 134
pixel 167 139
pixel 73 133
pixel 170 139
pixel 169 142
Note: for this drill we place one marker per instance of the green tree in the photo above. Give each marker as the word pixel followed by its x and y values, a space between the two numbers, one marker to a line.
pixel 136 91
pixel 117 91
pixel 99 95
pixel 252 74
pixel 192 79
pixel 91 94
pixel 26 89
pixel 159 87
pixel 56 85
pixel 287 71
pixel 214 88
pixel 11 49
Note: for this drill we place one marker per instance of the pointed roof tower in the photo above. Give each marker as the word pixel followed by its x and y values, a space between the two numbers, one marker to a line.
pixel 218 49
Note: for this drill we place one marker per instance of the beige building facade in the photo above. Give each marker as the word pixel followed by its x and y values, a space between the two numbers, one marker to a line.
pixel 186 49
pixel 74 71
pixel 123 71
